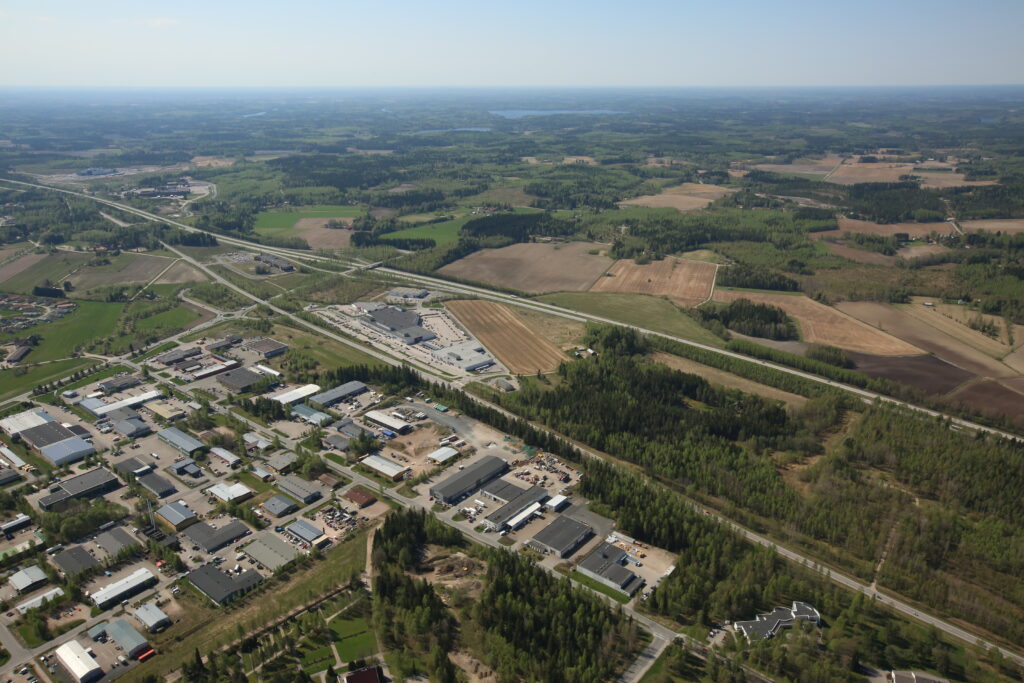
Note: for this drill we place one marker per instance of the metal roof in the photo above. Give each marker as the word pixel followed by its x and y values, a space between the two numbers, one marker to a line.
pixel 388 468
pixel 157 485
pixel 271 551
pixel 295 394
pixel 16 424
pixel 40 599
pixel 180 440
pixel 303 530
pixel 211 540
pixel 443 454
pixel 229 492
pixel 280 505
pixel 338 393
pixel 123 587
pixel 225 455
pixel 469 479
pixel 70 450
pixel 130 402
pixel 47 433
pixel 125 635
pixel 563 535
pixel 88 482
pixel 77 661
pixel 74 560
pixel 150 616
pixel 239 379
pixel 221 587
pixel 300 488
pixel 606 562
pixel 116 540
pixel 282 461
pixel 521 501
pixel 27 577
pixel 311 415
pixel 176 513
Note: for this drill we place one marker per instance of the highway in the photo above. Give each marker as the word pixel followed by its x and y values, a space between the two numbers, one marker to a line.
pixel 437 283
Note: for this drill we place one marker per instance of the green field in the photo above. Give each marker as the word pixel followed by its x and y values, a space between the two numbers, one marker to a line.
pixel 178 317
pixel 281 222
pixel 355 640
pixel 92 320
pixel 55 267
pixel 641 310
pixel 615 595
pixel 13 384
pixel 442 233
pixel 328 353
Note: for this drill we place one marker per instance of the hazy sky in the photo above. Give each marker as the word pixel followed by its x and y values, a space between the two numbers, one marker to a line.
pixel 517 43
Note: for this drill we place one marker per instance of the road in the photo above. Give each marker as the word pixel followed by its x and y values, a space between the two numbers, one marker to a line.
pixel 869 396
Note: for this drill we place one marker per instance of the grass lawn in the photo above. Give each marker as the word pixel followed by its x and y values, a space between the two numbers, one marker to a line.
pixel 370 474
pixel 177 317
pixel 641 310
pixel 355 640
pixel 252 481
pixel 281 222
pixel 92 319
pixel 327 352
pixel 599 587
pixel 13 384
pixel 54 267
pixel 442 233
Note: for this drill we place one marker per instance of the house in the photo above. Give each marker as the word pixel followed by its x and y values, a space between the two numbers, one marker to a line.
pixel 605 564
pixel 459 485
pixel 767 625
pixel 562 537
pixel 220 587
pixel 177 515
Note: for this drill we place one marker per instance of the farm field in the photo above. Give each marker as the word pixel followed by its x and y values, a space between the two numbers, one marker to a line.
pixel 859 255
pixel 688 283
pixel 533 267
pixel 926 372
pixel 442 233
pixel 820 167
pixel 993 397
pixel 914 230
pixel 562 332
pixel 181 272
pixel 850 173
pixel 727 379
pixel 994 225
pixel 953 320
pixel 19 265
pixel 685 197
pixel 926 337
pixel 650 312
pixel 126 269
pixel 821 324
pixel 918 250
pixel 92 320
pixel 32 269
pixel 308 223
pixel 519 348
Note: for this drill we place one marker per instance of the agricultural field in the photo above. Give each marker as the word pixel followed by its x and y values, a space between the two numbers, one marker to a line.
pixel 533 267
pixel 32 269
pixel 727 379
pixel 442 233
pixel 687 283
pixel 955 320
pixel 685 197
pixel 308 223
pixel 519 348
pixel 562 332
pixel 125 269
pixel 859 255
pixel 1012 226
pixel 913 230
pixel 60 338
pixel 810 167
pixel 928 373
pixel 19 265
pixel 821 324
pixel 993 397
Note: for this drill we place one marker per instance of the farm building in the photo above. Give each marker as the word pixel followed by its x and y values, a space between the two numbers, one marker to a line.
pixel 282 462
pixel 234 493
pixel 151 617
pixel 305 532
pixel 295 394
pixel 562 537
pixel 115 540
pixel 468 356
pixel 225 456
pixel 382 419
pixel 78 664
pixel 74 560
pixel 101 409
pixel 157 485
pixel 123 589
pixel 48 596
pixel 211 540
pixel 131 642
pixel 178 439
pixel 86 485
pixel 360 497
pixel 167 412
pixel 18 354
pixel 267 348
pixel 517 511
pixel 310 415
pixel 404 326
pixel 16 424
pixel 339 393
pixel 279 506
pixel 459 485
pixel 271 551
pixel 606 566
pixel 388 469
pixel 116 384
pixel 27 579
pixel 300 489
pixel 442 455
pixel 767 625
pixel 177 515
pixel 220 587
pixel 239 380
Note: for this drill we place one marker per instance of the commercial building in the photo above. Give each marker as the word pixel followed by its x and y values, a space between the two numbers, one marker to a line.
pixel 177 515
pixel 225 456
pixel 166 411
pixel 404 326
pixel 122 589
pixel 382 419
pixel 48 596
pixel 186 467
pixel 300 489
pixel 157 485
pixel 234 493
pixel 305 532
pixel 606 565
pixel 68 451
pixel 115 540
pixel 86 485
pixel 45 434
pixel 116 384
pixel 349 428
pixel 74 561
pixel 282 462
pixel 131 642
pixel 767 625
pixel 336 442
pixel 340 393
pixel 132 428
pixel 310 415
pixel 151 617
pixel 77 663
pixel 178 439
pixel 267 348
pixel 220 587
pixel 279 506
pixel 276 262
pixel 360 497
pixel 459 485
pixel 388 469
pixel 271 551
pixel 468 356
pixel 16 424
pixel 211 540
pixel 442 455
pixel 562 537
pixel 27 579
pixel 101 409
pixel 522 501
pixel 295 394
pixel 178 355
pixel 239 380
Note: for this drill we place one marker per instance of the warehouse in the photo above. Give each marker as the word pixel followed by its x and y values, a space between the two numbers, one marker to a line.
pixel 122 589
pixel 178 439
pixel 254 441
pixel 349 428
pixel 48 596
pixel 557 503
pixel 211 540
pixel 74 561
pixel 442 455
pixel 562 537
pixel 68 451
pixel 360 497
pixel 116 384
pixel 166 411
pixel 402 325
pixel 116 540
pixel 282 462
pixel 300 489
pixel 101 409
pixel 311 415
pixel 525 502
pixel 7 475
pixel 279 506
pixel 16 424
pixel 234 493
pixel 336 442
pixel 124 635
pixel 132 428
pixel 151 617
pixel 271 552
pixel 86 485
pixel 157 485
pixel 28 579
pixel 240 380
pixel 220 587
pixel 340 393
pixel 13 458
pixel 177 515
pixel 225 456
pixel 606 566
pixel 305 532
pixel 222 365
pixel 78 664
pixel 46 434
pixel 384 467
pixel 177 355
pixel 459 485
pixel 295 394
pixel 133 466
pixel 268 348
pixel 185 467
pixel 19 522
pixel 382 419
pixel 468 356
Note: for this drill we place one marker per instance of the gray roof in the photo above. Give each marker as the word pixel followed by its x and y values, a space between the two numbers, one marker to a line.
pixel 74 560
pixel 502 490
pixel 45 434
pixel 133 465
pixel 337 441
pixel 69 450
pixel 177 355
pixel 469 479
pixel 125 635
pixel 280 505
pixel 180 440
pixel 282 461
pixel 606 561
pixel 132 427
pixel 8 474
pixel 157 485
pixel 267 345
pixel 310 414
pixel 88 481
pixel 349 428
pixel 176 513
pixel 150 616
pixel 563 535
pixel 210 539
pixel 522 500
pixel 303 530
pixel 116 540
pixel 338 393
pixel 123 414
pixel 239 379
pixel 118 383
pixel 300 488
pixel 221 587
pixel 394 318
pixel 27 577
pixel 271 551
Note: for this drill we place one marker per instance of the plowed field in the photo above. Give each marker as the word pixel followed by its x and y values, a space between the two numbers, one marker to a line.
pixel 688 283
pixel 519 348
pixel 685 197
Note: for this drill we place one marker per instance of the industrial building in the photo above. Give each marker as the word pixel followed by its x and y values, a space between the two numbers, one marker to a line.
pixel 125 636
pixel 267 348
pixel 48 596
pixel 271 551
pixel 177 355
pixel 166 411
pixel 116 384
pixel 282 462
pixel 606 565
pixel 122 589
pixel 562 537
pixel 388 469
pixel 468 356
pixel 255 442
pixel 225 456
pixel 7 475
pixel 16 424
pixel 74 561
pixel 382 419
pixel 177 515
pixel 185 467
pixel 233 493
pixel 336 442
pixel 56 443
pixel 300 489
pixel 311 415
pixel 115 540
pixel 77 663
pixel 27 579
pixel 178 439
pixel 19 522
pixel 151 617
pixel 404 326
pixel 442 455
pixel 340 393
pixel 86 485
pixel 767 625
pixel 279 506
pixel 220 587
pixel 521 506
pixel 349 428
pixel 295 394
pixel 100 409
pixel 132 428
pixel 12 458
pixel 157 485
pixel 211 540
pixel 222 365
pixel 276 262
pixel 459 485
pixel 239 380
pixel 305 532
pixel 360 497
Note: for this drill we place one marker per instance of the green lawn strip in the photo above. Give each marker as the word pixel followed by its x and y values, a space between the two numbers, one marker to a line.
pixel 13 384
pixel 60 338
pixel 357 646
pixel 599 587
pixel 441 233
pixel 177 318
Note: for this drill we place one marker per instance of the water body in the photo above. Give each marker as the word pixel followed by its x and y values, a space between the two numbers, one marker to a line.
pixel 520 113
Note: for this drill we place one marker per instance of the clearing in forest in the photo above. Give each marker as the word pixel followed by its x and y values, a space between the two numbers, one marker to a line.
pixel 687 283
pixel 519 348
pixel 727 379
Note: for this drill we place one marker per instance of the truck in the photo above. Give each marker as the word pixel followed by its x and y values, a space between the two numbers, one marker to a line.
pixel 440 408
pixel 388 433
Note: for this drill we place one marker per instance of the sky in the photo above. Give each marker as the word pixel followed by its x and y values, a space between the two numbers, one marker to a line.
pixel 547 43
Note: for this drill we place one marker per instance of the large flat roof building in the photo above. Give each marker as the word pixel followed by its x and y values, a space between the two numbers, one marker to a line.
pixel 310 415
pixel 32 603
pixel 151 617
pixel 268 348
pixel 68 451
pixel 220 587
pixel 239 380
pixel 767 625
pixel 78 664
pixel 16 424
pixel 74 560
pixel 562 537
pixel 524 499
pixel 395 322
pixel 211 540
pixel 468 356
pixel 388 469
pixel 230 493
pixel 606 565
pixel 271 551
pixel 382 419
pixel 116 540
pixel 123 588
pixel 339 393
pixel 304 491
pixel 86 485
pixel 177 515
pixel 295 394
pixel 279 506
pixel 304 531
pixel 131 642
pixel 101 409
pixel 178 439
pixel 461 484
pixel 27 579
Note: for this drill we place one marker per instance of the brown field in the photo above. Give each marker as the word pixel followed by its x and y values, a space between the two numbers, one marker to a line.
pixel 212 162
pixel 821 166
pixel 589 161
pixel 821 324
pixel 953 320
pixel 19 265
pixel 318 237
pixel 994 398
pixel 688 283
pixel 925 336
pixel 885 229
pixel 704 255
pixel 941 180
pixel 926 372
pixel 685 197
pixel 518 347
pixel 533 267
pixel 562 332
pixel 727 379
pixel 851 172
pixel 7 253
pixel 179 273
pixel 860 255
pixel 137 268
pixel 1011 226
pixel 918 250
